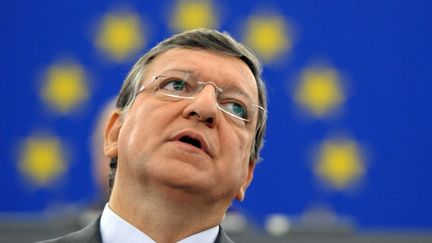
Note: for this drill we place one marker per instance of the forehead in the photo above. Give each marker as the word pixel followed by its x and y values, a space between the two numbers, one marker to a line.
pixel 222 69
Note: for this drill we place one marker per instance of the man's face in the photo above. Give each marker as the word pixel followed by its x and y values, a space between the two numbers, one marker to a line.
pixel 156 140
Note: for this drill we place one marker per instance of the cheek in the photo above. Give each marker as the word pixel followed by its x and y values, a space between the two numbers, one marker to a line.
pixel 237 147
pixel 130 140
pixel 244 144
pixel 137 129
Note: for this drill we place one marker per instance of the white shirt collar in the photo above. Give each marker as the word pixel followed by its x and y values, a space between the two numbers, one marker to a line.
pixel 114 229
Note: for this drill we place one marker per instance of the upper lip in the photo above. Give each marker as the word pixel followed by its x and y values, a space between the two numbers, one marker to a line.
pixel 194 135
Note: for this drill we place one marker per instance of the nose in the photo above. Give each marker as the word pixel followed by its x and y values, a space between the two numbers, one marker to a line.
pixel 203 107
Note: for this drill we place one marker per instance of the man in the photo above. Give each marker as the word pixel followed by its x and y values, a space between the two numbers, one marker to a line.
pixel 183 141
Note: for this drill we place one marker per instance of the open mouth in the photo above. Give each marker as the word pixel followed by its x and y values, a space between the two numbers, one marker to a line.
pixel 195 139
pixel 192 141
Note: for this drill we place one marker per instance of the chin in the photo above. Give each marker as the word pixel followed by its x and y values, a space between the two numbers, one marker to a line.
pixel 186 178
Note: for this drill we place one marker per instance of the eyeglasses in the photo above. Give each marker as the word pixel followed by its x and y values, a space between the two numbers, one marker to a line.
pixel 180 85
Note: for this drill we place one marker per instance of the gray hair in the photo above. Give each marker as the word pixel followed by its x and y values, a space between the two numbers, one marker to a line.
pixel 205 39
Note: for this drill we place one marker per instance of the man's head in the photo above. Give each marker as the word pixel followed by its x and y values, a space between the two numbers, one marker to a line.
pixel 150 128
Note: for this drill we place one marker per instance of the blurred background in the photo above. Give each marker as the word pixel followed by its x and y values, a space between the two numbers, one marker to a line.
pixel 347 156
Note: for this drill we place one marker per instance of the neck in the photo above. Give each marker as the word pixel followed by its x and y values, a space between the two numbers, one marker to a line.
pixel 179 213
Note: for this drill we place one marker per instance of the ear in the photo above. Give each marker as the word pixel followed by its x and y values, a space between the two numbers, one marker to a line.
pixel 111 134
pixel 251 168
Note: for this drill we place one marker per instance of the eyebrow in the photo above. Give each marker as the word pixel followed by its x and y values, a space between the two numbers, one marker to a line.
pixel 186 71
pixel 237 90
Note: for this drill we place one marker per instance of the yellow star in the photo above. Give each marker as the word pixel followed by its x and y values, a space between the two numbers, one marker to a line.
pixel 268 36
pixel 319 91
pixel 191 14
pixel 120 35
pixel 42 159
pixel 64 86
pixel 339 163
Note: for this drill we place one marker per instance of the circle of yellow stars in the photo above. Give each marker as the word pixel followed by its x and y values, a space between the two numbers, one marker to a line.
pixel 121 35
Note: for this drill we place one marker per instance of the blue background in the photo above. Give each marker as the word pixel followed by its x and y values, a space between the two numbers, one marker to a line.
pixel 384 47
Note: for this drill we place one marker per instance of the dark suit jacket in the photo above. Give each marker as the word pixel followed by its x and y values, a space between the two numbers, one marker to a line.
pixel 92 234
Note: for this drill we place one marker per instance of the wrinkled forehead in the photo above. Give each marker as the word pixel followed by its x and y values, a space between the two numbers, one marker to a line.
pixel 222 69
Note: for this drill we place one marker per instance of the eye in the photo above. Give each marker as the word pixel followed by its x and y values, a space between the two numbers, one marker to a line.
pixel 173 85
pixel 237 109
